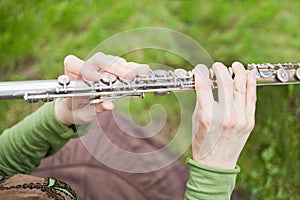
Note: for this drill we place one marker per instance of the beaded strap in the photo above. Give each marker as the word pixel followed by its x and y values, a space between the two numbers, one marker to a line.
pixel 52 187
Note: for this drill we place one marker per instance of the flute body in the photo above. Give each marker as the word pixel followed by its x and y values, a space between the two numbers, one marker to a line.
pixel 160 82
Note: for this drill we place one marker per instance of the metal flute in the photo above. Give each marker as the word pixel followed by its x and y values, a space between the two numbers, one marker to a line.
pixel 160 82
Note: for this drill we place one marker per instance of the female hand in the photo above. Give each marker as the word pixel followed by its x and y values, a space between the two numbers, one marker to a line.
pixel 78 110
pixel 221 128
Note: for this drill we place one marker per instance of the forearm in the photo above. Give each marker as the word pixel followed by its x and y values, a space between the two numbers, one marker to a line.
pixel 25 144
pixel 210 183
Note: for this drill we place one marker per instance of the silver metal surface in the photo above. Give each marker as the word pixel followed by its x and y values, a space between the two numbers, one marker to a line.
pixel 160 82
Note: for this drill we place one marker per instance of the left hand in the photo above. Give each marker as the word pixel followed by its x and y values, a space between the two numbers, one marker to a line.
pixel 78 110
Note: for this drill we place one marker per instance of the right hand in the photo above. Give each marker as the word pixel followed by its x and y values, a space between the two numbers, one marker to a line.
pixel 221 129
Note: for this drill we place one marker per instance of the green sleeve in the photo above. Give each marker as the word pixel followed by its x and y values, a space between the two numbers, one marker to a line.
pixel 210 183
pixel 26 143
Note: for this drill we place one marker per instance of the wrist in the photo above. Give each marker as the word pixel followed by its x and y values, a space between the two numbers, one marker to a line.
pixel 61 113
pixel 216 161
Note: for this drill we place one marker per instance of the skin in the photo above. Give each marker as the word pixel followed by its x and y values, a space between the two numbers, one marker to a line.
pixel 221 128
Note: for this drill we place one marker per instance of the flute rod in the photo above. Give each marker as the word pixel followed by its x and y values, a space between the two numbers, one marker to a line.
pixel 159 82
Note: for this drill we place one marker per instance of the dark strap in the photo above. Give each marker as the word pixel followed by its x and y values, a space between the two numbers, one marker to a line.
pixel 21 186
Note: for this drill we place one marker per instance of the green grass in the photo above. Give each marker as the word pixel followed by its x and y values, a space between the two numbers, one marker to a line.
pixel 35 36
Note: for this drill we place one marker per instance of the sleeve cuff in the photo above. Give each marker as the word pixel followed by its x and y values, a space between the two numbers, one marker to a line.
pixel 200 166
pixel 207 182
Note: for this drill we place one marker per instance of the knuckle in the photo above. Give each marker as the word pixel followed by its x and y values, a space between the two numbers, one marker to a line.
pixel 229 123
pixel 114 59
pixel 68 59
pixel 120 59
pixel 90 61
pixel 242 125
pixel 96 58
pixel 240 89
pixel 205 122
pixel 98 54
pixel 250 125
pixel 252 98
pixel 132 63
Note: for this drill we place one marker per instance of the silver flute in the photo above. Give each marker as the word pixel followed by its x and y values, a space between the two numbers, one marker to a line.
pixel 159 82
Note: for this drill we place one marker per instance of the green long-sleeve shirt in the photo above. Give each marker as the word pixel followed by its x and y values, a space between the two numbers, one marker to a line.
pixel 210 183
pixel 40 134
pixel 24 145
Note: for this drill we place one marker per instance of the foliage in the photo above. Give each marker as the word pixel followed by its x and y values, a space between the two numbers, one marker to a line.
pixel 35 36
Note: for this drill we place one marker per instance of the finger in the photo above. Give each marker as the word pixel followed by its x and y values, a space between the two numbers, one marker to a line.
pixel 117 59
pixel 139 68
pixel 72 66
pixel 112 64
pixel 104 106
pixel 90 73
pixel 250 95
pixel 87 113
pixel 91 68
pixel 117 62
pixel 203 90
pixel 239 84
pixel 136 69
pixel 225 85
pixel 108 105
pixel 127 70
pixel 108 63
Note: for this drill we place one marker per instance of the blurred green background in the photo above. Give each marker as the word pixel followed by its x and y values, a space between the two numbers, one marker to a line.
pixel 35 36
